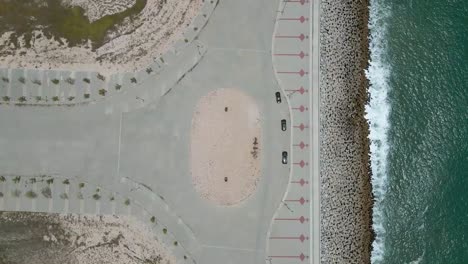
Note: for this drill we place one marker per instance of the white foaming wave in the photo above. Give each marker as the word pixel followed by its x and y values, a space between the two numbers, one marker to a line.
pixel 377 112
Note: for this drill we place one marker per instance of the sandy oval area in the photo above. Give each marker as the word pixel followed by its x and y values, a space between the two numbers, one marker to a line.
pixel 226 143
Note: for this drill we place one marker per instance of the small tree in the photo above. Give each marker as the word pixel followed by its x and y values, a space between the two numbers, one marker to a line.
pixel 50 181
pixel 22 80
pixel 38 82
pixel 2 178
pixel 55 98
pixel 118 86
pixel 165 230
pixel 149 70
pixel 101 77
pixel 153 219
pixel 86 80
pixel 127 202
pixel 6 98
pixel 70 98
pixel 5 79
pixel 22 99
pixel 55 81
pixel 86 95
pixel 133 80
pixel 66 182
pixel 102 92
pixel 81 185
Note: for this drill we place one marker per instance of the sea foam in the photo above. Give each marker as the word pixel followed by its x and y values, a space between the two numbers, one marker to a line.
pixel 377 113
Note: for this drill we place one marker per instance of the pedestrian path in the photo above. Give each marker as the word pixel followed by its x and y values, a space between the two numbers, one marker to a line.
pixel 289 238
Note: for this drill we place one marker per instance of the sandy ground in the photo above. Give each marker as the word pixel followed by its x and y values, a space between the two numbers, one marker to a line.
pixel 50 238
pixel 346 199
pixel 130 47
pixel 226 146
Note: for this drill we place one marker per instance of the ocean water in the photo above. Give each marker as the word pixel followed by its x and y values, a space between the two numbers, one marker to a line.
pixel 418 116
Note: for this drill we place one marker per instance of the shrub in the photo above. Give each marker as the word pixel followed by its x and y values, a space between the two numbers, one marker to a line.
pixel 70 98
pixel 101 77
pixel 55 81
pixel 38 82
pixel 46 192
pixel 127 202
pixel 32 180
pixel 2 178
pixel 165 230
pixel 79 196
pixel 66 181
pixel 38 98
pixel 16 193
pixel 86 80
pixel 50 181
pixel 1 194
pixel 64 196
pixel 31 194
pixel 149 70
pixel 81 185
pixel 22 80
pixel 22 99
pixel 102 92
pixel 6 98
pixel 86 95
pixel 153 219
pixel 55 98
pixel 133 80
pixel 5 79
pixel 70 80
pixel 96 196
pixel 118 86
pixel 17 179
pixel 176 243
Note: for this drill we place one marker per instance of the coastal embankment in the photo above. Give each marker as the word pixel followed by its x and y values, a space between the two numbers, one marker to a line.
pixel 346 198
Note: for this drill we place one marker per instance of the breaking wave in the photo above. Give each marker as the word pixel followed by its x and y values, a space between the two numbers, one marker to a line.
pixel 377 114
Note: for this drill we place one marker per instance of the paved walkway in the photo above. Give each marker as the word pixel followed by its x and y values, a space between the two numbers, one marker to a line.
pixel 294 235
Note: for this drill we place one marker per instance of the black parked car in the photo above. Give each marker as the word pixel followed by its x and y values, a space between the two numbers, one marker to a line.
pixel 278 97
pixel 284 159
pixel 283 124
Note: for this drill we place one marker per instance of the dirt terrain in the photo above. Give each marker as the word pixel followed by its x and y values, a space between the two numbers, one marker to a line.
pixel 82 35
pixel 68 239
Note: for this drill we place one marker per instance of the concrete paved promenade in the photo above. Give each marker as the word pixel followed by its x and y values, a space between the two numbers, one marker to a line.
pixel 128 153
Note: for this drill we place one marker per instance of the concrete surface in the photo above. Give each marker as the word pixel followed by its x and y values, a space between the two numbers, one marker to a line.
pixel 131 147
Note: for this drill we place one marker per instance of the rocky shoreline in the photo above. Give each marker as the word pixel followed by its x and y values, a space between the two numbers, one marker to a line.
pixel 346 191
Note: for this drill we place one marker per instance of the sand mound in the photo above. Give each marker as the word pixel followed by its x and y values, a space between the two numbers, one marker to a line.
pixel 226 146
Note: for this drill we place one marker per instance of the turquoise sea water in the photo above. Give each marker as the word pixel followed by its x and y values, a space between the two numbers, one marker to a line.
pixel 419 130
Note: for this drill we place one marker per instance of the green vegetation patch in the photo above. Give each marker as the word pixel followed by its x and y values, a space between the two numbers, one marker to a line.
pixel 59 21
